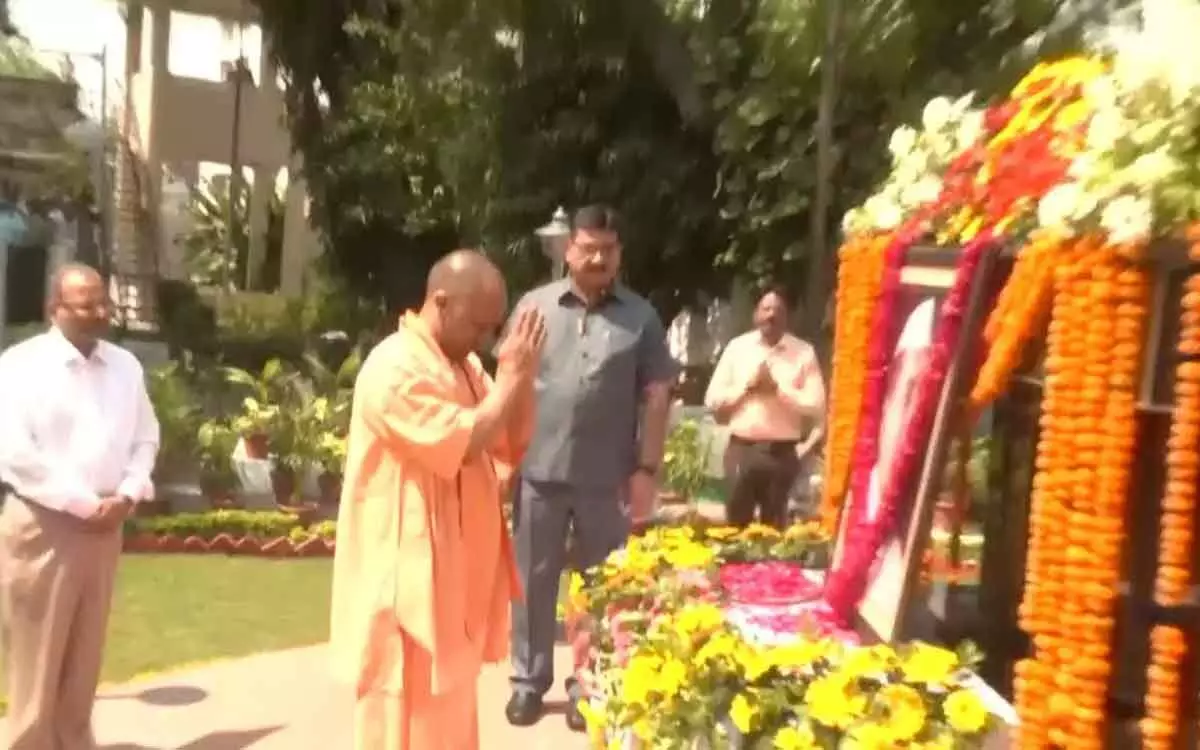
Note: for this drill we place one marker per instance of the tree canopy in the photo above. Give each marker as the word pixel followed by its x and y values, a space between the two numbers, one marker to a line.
pixel 426 124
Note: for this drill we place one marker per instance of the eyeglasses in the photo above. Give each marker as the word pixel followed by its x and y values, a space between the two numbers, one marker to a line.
pixel 606 248
pixel 87 308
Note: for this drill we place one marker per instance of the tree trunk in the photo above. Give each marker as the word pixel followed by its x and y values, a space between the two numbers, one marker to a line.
pixel 821 263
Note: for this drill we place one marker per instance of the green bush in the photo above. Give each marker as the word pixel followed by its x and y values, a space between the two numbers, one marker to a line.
pixel 236 523
pixel 264 524
pixel 324 529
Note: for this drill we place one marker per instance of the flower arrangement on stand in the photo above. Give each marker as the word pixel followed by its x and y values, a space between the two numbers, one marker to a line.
pixel 1083 166
pixel 673 667
pixel 695 681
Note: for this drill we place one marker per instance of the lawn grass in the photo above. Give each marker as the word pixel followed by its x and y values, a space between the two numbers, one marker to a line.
pixel 170 610
pixel 173 610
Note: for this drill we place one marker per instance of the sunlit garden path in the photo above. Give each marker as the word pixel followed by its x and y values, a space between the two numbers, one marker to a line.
pixel 208 652
pixel 282 700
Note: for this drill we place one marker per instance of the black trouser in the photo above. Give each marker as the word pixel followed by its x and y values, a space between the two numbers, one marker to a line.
pixel 760 474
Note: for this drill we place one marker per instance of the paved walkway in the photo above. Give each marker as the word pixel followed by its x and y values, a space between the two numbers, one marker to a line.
pixel 285 701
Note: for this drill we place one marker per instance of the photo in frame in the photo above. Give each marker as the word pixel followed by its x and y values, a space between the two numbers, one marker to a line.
pixel 925 279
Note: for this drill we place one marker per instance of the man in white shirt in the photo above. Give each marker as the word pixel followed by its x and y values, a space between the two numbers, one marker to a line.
pixel 78 439
pixel 767 389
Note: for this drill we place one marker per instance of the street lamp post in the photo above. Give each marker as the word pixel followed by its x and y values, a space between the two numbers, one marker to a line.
pixel 554 237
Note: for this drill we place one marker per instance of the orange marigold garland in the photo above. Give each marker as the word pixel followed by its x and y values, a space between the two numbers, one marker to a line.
pixel 1018 314
pixel 860 271
pixel 1084 461
pixel 1176 550
pixel 1033 683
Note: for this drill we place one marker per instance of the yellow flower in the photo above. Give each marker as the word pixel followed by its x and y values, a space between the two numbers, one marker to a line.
pixel 595 719
pixel 793 738
pixel 871 661
pixel 928 664
pixel 904 709
pixel 689 555
pixel 744 713
pixel 870 736
pixel 720 532
pixel 720 646
pixel 965 713
pixel 797 655
pixel 641 674
pixel 759 531
pixel 672 678
pixel 833 701
pixel 753 662
pixel 700 619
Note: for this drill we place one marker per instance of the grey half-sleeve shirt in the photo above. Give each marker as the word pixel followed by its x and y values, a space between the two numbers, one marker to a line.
pixel 596 365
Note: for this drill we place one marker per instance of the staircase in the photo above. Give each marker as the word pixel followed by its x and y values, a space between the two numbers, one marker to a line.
pixel 133 269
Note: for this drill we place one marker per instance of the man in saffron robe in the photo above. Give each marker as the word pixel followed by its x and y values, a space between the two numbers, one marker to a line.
pixel 424 573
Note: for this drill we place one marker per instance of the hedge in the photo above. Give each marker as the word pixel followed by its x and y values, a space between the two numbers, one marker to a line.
pixel 235 523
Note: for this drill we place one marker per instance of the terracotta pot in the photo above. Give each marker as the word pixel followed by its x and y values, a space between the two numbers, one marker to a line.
pixel 280 546
pixel 283 484
pixel 330 485
pixel 247 545
pixel 311 547
pixel 258 446
pixel 195 544
pixel 223 544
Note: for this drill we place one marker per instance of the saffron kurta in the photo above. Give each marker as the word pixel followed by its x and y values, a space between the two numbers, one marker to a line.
pixel 424 574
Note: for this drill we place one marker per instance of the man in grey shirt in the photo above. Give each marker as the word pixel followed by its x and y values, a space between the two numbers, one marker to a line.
pixel 603 394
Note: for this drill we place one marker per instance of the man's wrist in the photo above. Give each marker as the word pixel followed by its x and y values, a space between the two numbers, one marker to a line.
pixel 649 468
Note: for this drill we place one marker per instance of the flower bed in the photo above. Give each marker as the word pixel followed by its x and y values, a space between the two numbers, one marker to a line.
pixel 230 532
pixel 693 645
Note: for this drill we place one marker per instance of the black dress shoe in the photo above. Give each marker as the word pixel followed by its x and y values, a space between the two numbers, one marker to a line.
pixel 523 709
pixel 575 720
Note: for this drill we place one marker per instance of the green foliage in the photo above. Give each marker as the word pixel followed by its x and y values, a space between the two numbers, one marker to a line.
pixel 425 124
pixel 685 460
pixel 236 523
pixel 179 414
pixel 216 250
pixel 214 443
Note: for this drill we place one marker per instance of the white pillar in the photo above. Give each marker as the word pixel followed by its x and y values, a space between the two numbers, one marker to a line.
pixel 262 192
pixel 300 247
pixel 266 67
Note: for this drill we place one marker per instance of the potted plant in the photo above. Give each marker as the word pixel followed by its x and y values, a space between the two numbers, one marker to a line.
pixel 685 463
pixel 335 386
pixel 293 439
pixel 269 392
pixel 215 444
pixel 178 412
pixel 254 425
pixel 331 457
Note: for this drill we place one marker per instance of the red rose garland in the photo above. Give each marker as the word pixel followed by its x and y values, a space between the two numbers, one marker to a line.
pixel 864 537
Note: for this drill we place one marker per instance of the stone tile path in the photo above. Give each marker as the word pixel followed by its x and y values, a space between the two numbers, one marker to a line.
pixel 285 701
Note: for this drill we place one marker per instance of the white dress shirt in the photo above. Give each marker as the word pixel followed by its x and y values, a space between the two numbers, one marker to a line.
pixel 72 428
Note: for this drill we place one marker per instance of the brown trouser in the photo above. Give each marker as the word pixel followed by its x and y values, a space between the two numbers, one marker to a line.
pixel 760 476
pixel 56 580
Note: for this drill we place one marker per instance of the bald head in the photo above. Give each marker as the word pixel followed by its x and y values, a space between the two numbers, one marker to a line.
pixel 73 276
pixel 463 272
pixel 78 305
pixel 465 302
